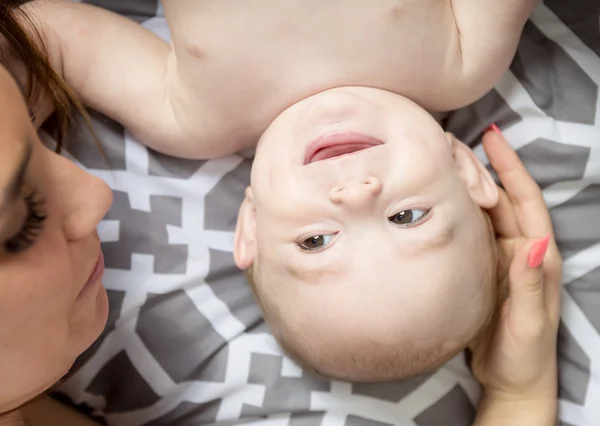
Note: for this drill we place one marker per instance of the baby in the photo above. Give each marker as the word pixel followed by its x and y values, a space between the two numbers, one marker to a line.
pixel 363 230
pixel 369 251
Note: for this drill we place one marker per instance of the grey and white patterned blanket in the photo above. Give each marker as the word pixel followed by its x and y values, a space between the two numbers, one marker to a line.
pixel 185 343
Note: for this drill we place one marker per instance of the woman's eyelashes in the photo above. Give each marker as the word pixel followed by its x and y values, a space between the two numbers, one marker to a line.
pixel 403 219
pixel 32 226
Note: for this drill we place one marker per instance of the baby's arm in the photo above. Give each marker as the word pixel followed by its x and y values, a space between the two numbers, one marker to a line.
pixel 115 65
pixel 488 32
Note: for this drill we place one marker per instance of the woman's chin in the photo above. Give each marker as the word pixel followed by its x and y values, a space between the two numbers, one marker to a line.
pixel 102 311
pixel 90 322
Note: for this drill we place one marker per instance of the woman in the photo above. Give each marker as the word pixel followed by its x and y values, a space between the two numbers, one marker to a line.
pixel 52 303
pixel 53 306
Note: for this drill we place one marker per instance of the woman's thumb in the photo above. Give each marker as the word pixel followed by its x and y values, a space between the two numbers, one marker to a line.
pixel 527 277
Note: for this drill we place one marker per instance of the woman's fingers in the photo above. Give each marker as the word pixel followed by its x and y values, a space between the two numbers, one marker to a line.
pixel 525 195
pixel 503 217
pixel 527 292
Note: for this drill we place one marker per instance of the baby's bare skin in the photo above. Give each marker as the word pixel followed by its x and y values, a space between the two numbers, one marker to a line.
pixel 233 66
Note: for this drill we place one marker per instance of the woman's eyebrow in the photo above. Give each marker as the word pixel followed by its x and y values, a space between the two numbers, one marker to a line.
pixel 15 184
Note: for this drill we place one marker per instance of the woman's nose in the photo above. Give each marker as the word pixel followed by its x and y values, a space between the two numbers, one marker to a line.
pixel 356 194
pixel 85 199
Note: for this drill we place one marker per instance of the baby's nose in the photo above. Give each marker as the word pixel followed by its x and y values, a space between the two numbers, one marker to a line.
pixel 356 193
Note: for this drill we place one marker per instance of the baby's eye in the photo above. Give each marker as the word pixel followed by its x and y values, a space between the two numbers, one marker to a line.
pixel 408 217
pixel 316 242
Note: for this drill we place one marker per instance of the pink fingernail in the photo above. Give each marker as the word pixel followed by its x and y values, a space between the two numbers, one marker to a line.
pixel 538 252
pixel 494 129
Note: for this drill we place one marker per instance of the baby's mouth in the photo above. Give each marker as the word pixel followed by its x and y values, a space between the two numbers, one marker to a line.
pixel 336 145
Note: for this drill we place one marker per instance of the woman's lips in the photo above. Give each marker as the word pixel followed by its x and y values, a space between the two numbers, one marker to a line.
pixel 337 144
pixel 95 276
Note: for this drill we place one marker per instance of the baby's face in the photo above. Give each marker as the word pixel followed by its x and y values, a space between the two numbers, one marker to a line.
pixel 376 237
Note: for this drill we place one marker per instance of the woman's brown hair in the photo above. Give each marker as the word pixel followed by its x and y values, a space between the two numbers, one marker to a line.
pixel 43 84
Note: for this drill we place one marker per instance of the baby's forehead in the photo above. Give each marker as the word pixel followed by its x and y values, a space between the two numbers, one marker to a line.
pixel 367 301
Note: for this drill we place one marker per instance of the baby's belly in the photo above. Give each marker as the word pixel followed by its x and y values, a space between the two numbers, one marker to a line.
pixel 247 60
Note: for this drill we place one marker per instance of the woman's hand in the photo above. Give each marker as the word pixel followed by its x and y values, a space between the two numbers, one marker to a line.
pixel 516 360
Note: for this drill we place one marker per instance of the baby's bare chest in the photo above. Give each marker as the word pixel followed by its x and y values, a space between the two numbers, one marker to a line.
pixel 259 56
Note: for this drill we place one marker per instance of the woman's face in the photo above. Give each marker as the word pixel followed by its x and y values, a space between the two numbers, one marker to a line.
pixel 52 303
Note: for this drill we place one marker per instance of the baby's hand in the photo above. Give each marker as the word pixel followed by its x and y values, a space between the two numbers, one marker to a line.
pixel 516 362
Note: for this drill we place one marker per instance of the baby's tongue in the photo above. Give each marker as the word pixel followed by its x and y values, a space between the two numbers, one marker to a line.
pixel 338 150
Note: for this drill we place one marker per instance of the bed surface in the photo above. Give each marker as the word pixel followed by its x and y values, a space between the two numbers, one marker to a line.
pixel 186 345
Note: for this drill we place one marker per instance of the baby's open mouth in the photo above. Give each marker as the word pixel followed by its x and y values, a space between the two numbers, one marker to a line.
pixel 336 145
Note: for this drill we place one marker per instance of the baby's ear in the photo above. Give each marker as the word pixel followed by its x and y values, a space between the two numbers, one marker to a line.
pixel 244 247
pixel 478 180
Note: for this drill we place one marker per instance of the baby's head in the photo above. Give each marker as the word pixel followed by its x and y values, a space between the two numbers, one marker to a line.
pixel 364 236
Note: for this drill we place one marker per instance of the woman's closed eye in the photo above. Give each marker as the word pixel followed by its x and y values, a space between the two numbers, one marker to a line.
pixel 31 228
